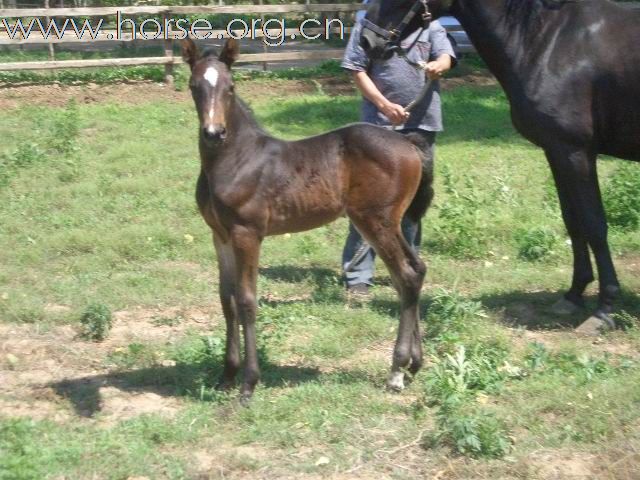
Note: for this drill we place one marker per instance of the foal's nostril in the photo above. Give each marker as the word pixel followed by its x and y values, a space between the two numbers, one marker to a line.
pixel 214 133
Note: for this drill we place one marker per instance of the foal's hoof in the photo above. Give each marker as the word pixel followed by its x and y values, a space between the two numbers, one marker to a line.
pixel 395 381
pixel 564 307
pixel 597 324
pixel 225 385
pixel 245 399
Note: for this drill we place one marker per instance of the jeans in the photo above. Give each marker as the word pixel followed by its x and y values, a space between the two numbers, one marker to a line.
pixel 358 258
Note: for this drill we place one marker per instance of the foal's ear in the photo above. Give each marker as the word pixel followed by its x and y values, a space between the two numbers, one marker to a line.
pixel 230 52
pixel 189 51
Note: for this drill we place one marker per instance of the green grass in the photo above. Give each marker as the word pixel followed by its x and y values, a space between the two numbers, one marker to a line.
pixel 101 210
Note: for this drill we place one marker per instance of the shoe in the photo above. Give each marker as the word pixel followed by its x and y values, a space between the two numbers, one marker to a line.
pixel 358 289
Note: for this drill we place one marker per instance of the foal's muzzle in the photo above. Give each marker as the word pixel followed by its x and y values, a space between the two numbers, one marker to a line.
pixel 214 133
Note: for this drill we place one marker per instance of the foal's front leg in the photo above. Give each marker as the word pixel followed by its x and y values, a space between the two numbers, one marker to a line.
pixel 246 248
pixel 227 281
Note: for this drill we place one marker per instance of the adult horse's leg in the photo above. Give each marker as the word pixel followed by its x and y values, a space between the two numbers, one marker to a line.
pixel 582 269
pixel 227 272
pixel 576 170
pixel 246 247
pixel 407 272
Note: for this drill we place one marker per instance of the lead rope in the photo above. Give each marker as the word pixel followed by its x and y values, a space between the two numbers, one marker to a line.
pixel 359 255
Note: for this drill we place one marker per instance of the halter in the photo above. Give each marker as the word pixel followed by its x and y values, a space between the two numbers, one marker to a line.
pixel 389 40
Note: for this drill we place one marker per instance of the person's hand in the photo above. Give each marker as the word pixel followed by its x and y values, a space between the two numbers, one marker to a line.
pixel 395 113
pixel 435 70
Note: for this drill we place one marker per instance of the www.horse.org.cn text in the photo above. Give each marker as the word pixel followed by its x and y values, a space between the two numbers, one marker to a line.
pixel 274 32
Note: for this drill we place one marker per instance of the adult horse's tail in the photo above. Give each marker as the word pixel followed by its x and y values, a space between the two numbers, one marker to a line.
pixel 423 197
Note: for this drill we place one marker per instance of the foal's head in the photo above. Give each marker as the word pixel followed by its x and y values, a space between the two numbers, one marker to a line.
pixel 211 86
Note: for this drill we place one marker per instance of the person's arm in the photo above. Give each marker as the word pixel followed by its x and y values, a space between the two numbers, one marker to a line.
pixel 443 57
pixel 394 112
pixel 438 67
pixel 356 61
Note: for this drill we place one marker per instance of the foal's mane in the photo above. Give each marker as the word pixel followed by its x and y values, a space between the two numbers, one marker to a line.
pixel 249 118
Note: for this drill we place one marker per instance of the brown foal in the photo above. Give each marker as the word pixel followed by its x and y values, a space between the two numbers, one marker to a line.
pixel 252 185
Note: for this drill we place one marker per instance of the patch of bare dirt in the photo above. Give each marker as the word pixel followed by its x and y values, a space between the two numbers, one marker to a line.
pixel 156 324
pixel 615 345
pixel 630 263
pixel 475 79
pixel 54 374
pixel 564 465
pixel 622 463
pixel 120 405
pixel 380 353
pixel 209 459
pixel 58 95
pixel 333 86
pixel 135 93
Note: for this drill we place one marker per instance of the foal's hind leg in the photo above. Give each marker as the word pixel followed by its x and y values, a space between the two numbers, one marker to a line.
pixel 407 272
pixel 227 282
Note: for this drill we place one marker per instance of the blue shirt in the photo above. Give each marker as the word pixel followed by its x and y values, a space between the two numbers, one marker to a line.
pixel 399 81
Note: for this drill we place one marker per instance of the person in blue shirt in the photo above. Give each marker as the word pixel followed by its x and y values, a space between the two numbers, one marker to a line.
pixel 386 87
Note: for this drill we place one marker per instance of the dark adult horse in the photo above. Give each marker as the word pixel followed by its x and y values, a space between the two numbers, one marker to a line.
pixel 252 185
pixel 571 72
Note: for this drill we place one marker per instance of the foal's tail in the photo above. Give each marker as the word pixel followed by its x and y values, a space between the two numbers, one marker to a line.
pixel 422 200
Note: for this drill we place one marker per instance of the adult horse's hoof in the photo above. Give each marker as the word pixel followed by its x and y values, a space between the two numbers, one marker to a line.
pixel 565 307
pixel 395 381
pixel 597 324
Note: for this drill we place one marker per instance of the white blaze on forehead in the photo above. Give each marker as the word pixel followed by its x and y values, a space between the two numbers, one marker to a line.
pixel 211 76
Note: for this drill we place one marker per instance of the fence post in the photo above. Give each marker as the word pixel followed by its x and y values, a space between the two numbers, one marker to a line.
pixel 168 49
pixel 265 66
pixel 52 52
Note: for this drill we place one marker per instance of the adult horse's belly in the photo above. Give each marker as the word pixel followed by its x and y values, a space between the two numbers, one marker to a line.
pixel 619 129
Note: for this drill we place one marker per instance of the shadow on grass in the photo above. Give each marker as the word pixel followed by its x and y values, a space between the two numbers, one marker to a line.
pixel 292 274
pixel 390 305
pixel 474 113
pixel 532 310
pixel 327 283
pixel 188 380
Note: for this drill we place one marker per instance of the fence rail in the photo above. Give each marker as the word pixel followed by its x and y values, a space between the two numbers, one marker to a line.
pixel 181 10
pixel 111 36
pixel 122 62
